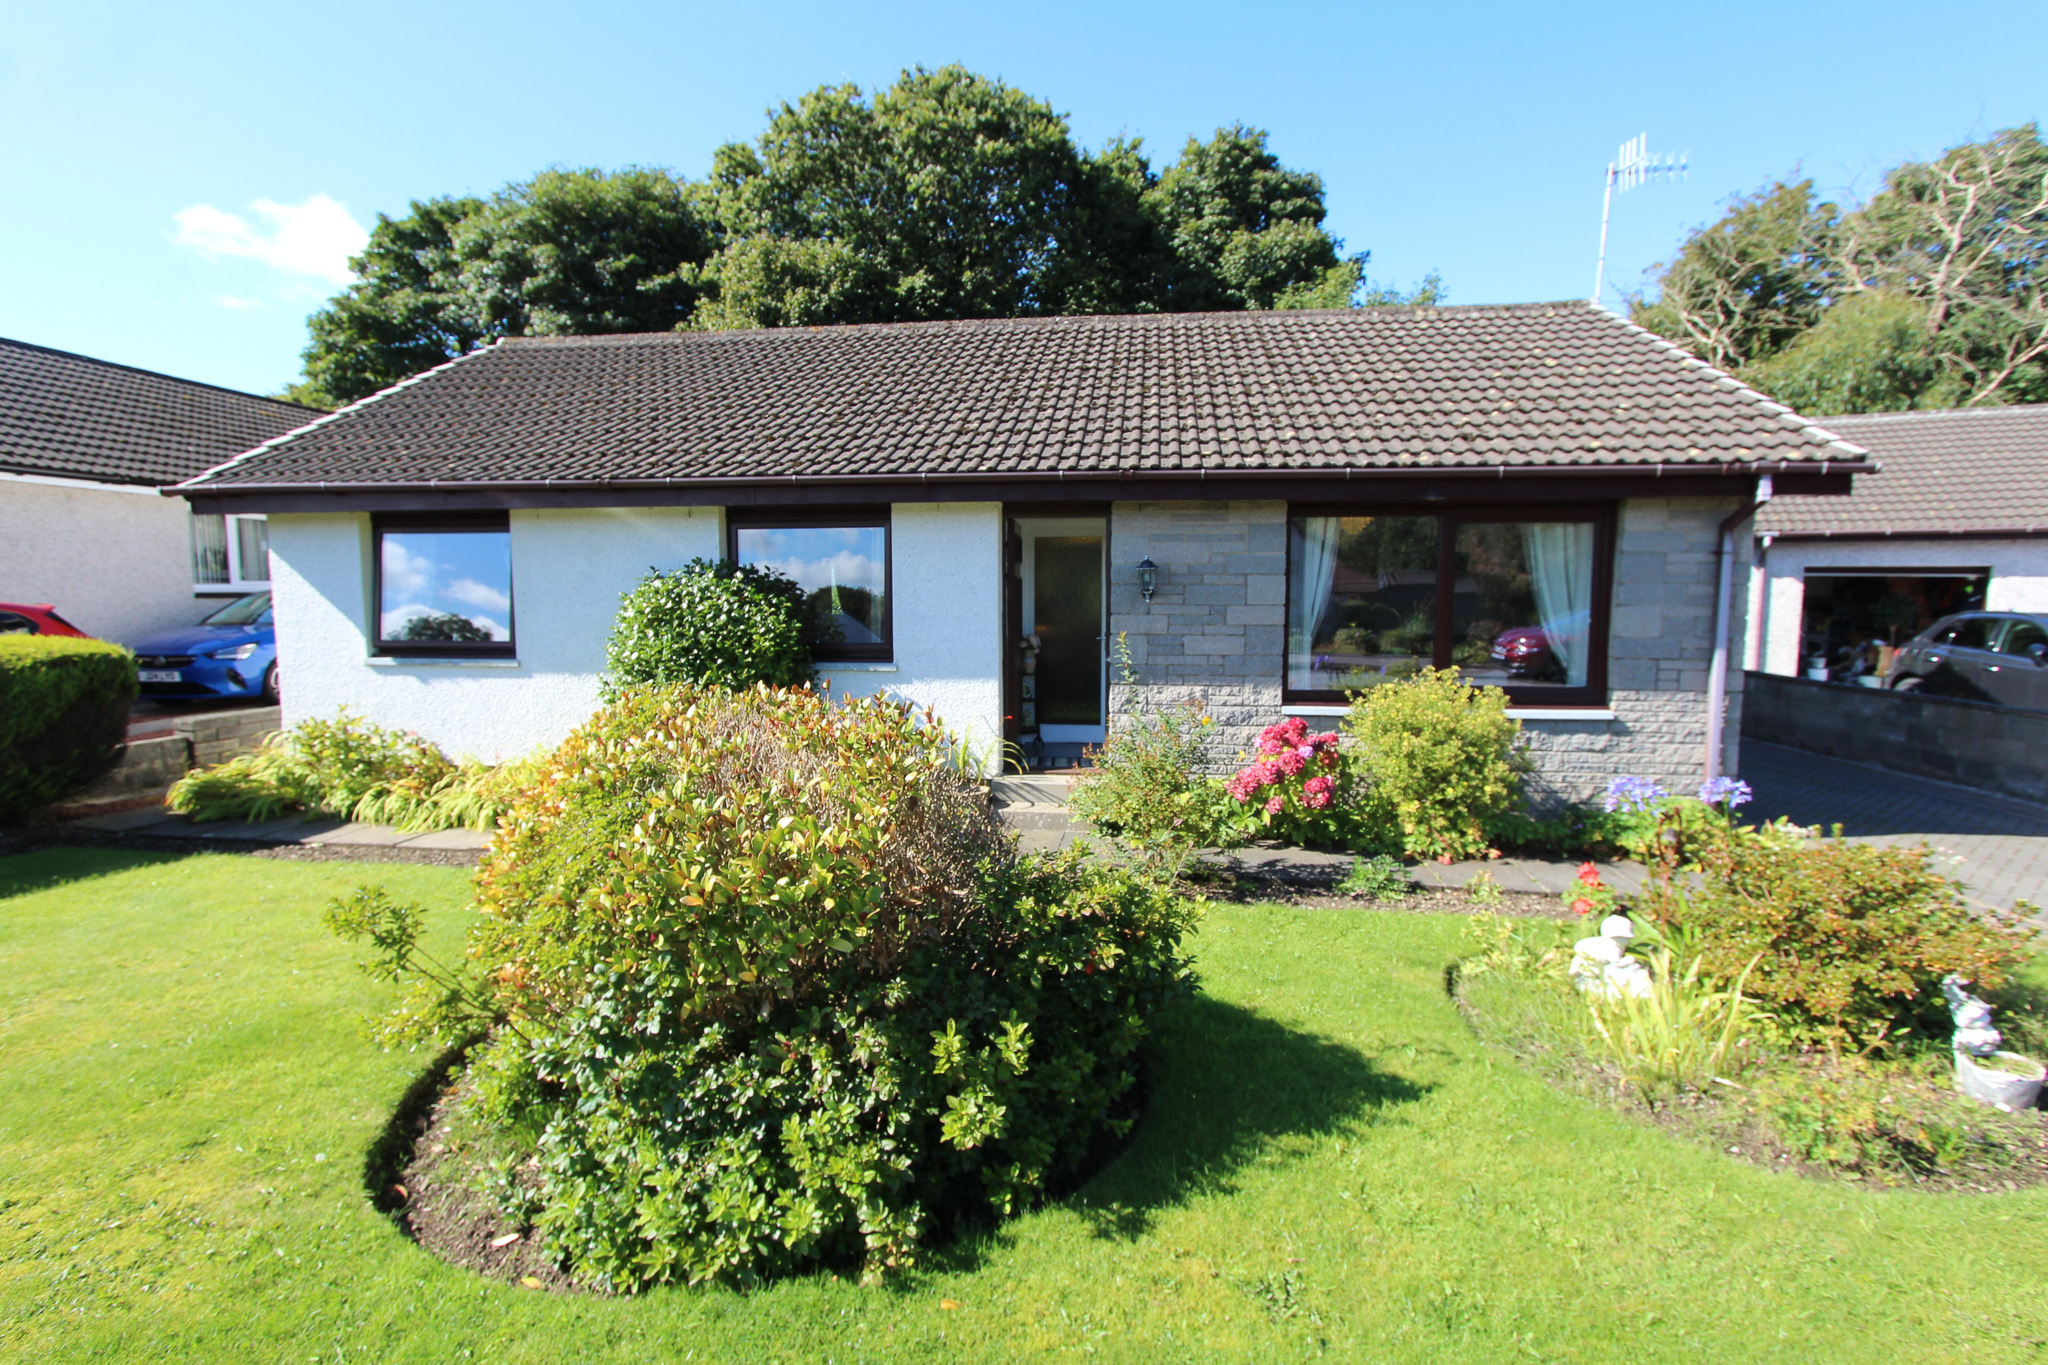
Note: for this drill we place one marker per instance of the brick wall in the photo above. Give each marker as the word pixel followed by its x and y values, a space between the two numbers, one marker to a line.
pixel 1997 748
pixel 1216 630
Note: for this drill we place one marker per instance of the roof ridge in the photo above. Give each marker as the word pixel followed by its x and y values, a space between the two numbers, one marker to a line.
pixel 324 418
pixel 1913 413
pixel 1246 316
pixel 153 374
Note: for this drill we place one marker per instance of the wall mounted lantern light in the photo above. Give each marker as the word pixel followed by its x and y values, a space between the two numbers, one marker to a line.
pixel 1148 578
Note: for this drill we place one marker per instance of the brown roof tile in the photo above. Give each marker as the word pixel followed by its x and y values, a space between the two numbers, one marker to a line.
pixel 1942 472
pixel 1530 384
pixel 70 416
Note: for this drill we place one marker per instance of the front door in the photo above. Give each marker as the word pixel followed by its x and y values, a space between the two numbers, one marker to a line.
pixel 1062 563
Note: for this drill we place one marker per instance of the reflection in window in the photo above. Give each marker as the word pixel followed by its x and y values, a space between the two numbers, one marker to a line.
pixel 1362 595
pixel 843 570
pixel 445 587
pixel 1523 610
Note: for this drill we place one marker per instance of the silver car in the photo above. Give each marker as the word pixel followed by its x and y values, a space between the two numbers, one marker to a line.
pixel 1979 656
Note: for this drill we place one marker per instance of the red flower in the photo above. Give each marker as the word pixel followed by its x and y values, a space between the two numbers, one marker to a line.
pixel 1316 793
pixel 1589 874
pixel 1582 906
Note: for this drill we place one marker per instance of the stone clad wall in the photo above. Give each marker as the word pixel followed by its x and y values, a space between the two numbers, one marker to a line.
pixel 1215 630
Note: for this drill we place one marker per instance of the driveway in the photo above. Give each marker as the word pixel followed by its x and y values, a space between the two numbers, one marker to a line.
pixel 2000 845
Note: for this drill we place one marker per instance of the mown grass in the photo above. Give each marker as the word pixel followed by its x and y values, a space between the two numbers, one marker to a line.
pixel 1332 1166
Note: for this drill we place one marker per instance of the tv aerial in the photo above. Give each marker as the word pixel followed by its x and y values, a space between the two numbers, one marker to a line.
pixel 1634 164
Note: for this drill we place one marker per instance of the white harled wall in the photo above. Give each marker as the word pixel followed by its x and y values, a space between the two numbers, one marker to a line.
pixel 115 562
pixel 568 571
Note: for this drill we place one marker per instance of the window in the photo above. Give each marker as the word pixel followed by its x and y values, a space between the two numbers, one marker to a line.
pixel 2022 638
pixel 841 562
pixel 444 585
pixel 1972 632
pixel 230 553
pixel 1518 604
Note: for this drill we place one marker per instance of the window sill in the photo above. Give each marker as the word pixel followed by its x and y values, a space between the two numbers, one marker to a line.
pixel 854 666
pixel 1517 712
pixel 387 661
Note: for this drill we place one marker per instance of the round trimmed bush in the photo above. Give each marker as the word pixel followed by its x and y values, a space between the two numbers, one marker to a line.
pixel 723 624
pixel 63 716
pixel 776 991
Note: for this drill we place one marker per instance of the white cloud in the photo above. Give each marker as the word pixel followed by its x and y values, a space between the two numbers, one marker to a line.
pixel 477 594
pixel 313 239
pixel 405 574
pixel 235 303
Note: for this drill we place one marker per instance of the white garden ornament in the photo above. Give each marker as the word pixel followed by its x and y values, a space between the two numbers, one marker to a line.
pixel 1601 964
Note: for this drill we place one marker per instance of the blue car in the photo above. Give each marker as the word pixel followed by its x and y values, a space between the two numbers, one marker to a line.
pixel 232 653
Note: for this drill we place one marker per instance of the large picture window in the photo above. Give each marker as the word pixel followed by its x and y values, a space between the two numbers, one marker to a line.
pixel 1513 602
pixel 842 564
pixel 444 586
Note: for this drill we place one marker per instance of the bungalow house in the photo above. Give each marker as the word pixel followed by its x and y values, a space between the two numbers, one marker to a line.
pixel 84 447
pixel 1957 521
pixel 1269 508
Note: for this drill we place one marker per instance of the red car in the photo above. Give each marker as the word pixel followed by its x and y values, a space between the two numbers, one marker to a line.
pixel 19 619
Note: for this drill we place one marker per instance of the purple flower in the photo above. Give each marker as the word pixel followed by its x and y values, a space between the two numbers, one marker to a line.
pixel 1633 794
pixel 1725 789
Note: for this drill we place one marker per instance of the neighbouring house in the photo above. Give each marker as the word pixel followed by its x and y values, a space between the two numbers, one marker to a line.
pixel 1957 521
pixel 1272 509
pixel 85 447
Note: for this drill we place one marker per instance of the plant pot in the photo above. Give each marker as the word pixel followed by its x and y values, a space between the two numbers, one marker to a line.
pixel 2014 1090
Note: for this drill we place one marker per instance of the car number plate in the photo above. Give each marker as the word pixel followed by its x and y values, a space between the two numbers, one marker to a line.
pixel 159 675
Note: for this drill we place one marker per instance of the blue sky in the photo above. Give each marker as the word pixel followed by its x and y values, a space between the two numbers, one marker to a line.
pixel 1468 139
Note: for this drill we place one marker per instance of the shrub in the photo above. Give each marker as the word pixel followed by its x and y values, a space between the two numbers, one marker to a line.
pixel 1146 783
pixel 1381 877
pixel 63 716
pixel 1851 940
pixel 723 624
pixel 1296 787
pixel 1438 757
pixel 354 769
pixel 1683 1034
pixel 775 992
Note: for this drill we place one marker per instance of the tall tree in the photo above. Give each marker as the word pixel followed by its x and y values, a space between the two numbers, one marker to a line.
pixel 1247 232
pixel 1931 294
pixel 566 252
pixel 944 195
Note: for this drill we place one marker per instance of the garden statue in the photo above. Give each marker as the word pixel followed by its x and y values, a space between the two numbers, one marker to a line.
pixel 1602 963
pixel 2005 1079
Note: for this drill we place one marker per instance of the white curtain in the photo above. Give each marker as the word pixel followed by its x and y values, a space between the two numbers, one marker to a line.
pixel 1315 567
pixel 1561 571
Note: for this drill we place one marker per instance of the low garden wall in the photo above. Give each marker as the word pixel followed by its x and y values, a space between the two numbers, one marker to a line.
pixel 1996 748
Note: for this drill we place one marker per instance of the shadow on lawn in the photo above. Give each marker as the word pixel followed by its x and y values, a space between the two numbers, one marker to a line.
pixel 1229 1087
pixel 27 870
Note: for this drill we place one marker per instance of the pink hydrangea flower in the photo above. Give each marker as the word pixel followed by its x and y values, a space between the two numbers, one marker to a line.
pixel 1290 762
pixel 1318 792
pixel 1276 805
pixel 1288 734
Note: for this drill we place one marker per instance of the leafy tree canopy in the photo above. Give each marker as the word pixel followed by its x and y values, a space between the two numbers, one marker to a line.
pixel 945 195
pixel 1928 295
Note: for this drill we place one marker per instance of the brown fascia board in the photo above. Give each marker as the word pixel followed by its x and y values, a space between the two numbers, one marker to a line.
pixel 1491 483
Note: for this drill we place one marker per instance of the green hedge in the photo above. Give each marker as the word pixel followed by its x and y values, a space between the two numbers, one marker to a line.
pixel 63 716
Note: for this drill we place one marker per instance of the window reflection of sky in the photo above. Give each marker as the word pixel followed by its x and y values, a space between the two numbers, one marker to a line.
pixel 447 573
pixel 846 563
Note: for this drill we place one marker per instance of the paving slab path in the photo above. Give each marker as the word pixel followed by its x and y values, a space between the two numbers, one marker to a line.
pixel 323 832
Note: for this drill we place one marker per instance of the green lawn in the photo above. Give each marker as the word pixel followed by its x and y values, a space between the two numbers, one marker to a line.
pixel 1332 1165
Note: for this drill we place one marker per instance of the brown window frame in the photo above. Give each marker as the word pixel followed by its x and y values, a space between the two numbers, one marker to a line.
pixel 1593 695
pixel 466 522
pixel 849 518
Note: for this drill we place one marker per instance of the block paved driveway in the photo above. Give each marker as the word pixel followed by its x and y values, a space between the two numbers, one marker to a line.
pixel 1999 845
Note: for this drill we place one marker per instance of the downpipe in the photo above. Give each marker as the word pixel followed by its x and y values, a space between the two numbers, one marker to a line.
pixel 1724 603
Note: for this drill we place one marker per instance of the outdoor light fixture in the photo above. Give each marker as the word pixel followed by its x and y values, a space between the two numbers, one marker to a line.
pixel 1148 578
